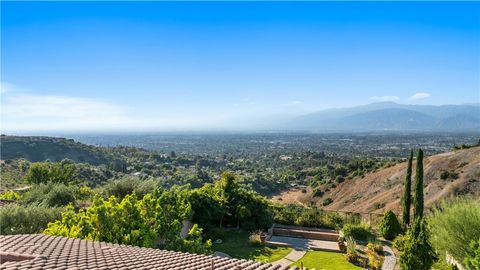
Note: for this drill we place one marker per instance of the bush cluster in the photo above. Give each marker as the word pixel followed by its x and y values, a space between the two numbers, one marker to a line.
pixel 153 221
pixel 455 223
pixel 255 238
pixel 129 185
pixel 310 217
pixel 10 195
pixel 19 219
pixel 50 194
pixel 375 260
pixel 362 232
pixel 389 226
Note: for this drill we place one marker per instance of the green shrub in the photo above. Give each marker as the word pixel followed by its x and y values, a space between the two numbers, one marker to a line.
pixel 443 265
pixel 306 216
pixel 360 232
pixel 10 195
pixel 376 246
pixel 389 226
pixel 472 261
pixel 455 223
pixel 121 187
pixel 60 195
pixel 146 186
pixel 378 205
pixel 339 179
pixel 399 242
pixel 133 221
pixel 375 260
pixel 448 175
pixel 351 254
pixel 50 195
pixel 129 185
pixel 444 175
pixel 416 251
pixel 332 220
pixel 317 192
pixel 84 193
pixel 327 201
pixel 285 214
pixel 55 172
pixel 215 233
pixel 193 243
pixel 19 219
pixel 255 238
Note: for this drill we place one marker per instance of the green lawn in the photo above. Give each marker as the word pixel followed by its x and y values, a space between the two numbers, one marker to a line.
pixel 236 245
pixel 322 260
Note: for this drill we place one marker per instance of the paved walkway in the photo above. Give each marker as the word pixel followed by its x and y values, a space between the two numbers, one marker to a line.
pixel 390 259
pixel 300 247
pixel 292 257
pixel 304 244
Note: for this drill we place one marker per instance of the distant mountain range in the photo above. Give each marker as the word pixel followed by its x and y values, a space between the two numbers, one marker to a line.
pixel 386 116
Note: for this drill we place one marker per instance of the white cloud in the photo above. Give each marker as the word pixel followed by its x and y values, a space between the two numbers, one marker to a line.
pixel 6 87
pixel 24 111
pixel 50 112
pixel 384 98
pixel 296 103
pixel 418 96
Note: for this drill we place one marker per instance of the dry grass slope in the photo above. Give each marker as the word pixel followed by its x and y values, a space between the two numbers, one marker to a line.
pixel 385 187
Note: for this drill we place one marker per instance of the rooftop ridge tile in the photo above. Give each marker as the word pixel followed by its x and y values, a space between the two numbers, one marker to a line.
pixel 56 252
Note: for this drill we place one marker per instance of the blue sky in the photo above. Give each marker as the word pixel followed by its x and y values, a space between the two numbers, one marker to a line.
pixel 174 65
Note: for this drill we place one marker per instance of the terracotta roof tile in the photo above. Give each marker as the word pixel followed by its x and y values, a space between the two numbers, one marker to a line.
pixel 39 251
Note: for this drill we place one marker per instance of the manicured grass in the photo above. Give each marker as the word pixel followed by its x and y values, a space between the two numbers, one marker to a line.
pixel 322 260
pixel 236 245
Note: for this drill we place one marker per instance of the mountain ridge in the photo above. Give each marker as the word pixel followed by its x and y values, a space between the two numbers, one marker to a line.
pixel 391 116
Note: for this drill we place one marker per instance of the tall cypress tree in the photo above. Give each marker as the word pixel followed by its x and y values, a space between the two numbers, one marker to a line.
pixel 418 199
pixel 407 197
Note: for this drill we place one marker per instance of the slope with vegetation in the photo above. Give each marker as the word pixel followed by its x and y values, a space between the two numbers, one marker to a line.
pixel 449 174
pixel 51 148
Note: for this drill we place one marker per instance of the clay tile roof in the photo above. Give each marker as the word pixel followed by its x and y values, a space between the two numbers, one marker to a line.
pixel 39 251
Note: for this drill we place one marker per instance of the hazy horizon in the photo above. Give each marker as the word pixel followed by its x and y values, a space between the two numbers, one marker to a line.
pixel 227 66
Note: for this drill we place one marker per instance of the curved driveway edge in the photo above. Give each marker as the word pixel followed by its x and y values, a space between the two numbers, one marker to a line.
pixel 390 259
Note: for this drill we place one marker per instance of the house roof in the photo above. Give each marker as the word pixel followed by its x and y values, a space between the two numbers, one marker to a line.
pixel 39 251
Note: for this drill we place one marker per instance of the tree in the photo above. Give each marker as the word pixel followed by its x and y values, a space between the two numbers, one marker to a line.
pixel 389 225
pixel 25 219
pixel 472 262
pixel 44 172
pixel 228 202
pixel 418 199
pixel 455 223
pixel 37 173
pixel 416 251
pixel 407 197
pixel 193 243
pixel 154 221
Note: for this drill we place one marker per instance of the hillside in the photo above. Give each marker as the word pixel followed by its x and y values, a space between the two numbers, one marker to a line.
pixel 383 189
pixel 34 149
pixel 391 116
